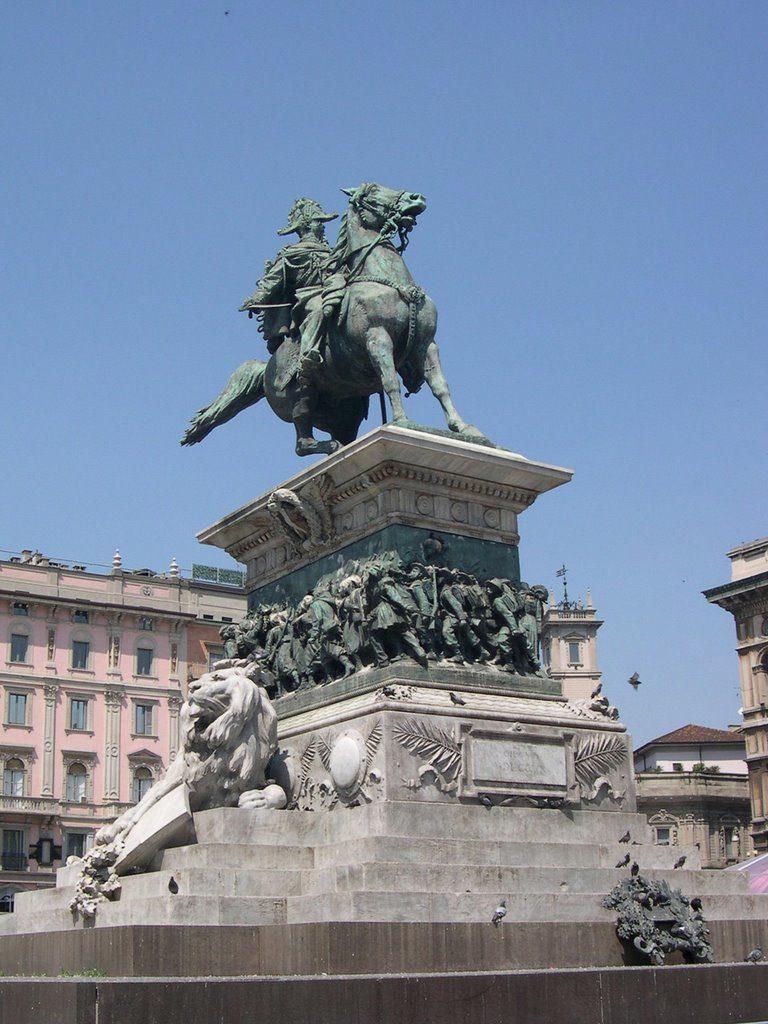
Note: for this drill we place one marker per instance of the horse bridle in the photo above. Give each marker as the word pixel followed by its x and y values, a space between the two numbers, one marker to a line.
pixel 386 210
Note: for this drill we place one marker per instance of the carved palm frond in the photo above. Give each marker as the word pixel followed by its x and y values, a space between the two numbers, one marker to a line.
pixel 372 741
pixel 436 746
pixel 307 756
pixel 596 755
pixel 324 751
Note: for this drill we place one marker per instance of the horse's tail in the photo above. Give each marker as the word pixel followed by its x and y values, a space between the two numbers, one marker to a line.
pixel 245 387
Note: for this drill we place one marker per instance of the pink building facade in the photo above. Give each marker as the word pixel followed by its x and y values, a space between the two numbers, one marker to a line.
pixel 93 670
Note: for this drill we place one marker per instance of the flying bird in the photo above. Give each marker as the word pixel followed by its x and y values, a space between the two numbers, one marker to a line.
pixel 499 914
pixel 596 692
pixel 624 861
pixel 634 680
pixel 680 861
pixel 635 869
pixel 626 837
pixel 755 955
pixel 455 698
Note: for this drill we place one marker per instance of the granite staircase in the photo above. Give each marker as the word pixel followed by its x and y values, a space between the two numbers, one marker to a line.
pixel 395 862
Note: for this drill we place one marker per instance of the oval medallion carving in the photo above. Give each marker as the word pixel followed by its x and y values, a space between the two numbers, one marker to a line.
pixel 492 518
pixel 459 512
pixel 347 763
pixel 425 504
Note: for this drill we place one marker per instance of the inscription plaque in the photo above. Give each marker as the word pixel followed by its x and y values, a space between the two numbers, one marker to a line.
pixel 530 762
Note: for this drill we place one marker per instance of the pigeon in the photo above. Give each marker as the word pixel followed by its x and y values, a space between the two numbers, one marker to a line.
pixel 389 691
pixel 499 914
pixel 486 801
pixel 696 903
pixel 623 862
pixel 625 838
pixel 635 869
pixel 634 680
pixel 455 698
pixel 680 861
pixel 755 956
pixel 596 692
pixel 173 886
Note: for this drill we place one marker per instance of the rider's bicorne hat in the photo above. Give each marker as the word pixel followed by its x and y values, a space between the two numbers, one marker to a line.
pixel 302 211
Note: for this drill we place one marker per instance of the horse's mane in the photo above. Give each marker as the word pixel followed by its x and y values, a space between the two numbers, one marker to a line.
pixel 340 251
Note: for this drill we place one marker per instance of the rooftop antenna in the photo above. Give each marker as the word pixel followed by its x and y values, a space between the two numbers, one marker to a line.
pixel 562 571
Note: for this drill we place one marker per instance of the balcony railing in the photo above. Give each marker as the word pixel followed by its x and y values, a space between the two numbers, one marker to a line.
pixel 14 862
pixel 46 806
pixel 29 804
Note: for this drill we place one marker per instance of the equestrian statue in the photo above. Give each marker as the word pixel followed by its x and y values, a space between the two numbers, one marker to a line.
pixel 341 323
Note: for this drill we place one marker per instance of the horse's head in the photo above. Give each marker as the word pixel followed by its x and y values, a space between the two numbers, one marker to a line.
pixel 386 210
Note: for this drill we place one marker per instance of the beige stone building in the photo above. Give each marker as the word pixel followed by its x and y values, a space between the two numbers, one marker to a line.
pixel 746 598
pixel 692 785
pixel 569 645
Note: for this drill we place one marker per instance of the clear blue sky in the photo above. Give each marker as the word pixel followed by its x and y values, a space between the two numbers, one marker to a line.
pixel 595 242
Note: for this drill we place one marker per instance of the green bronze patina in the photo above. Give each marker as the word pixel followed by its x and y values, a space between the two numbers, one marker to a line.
pixel 373 611
pixel 483 558
pixel 340 324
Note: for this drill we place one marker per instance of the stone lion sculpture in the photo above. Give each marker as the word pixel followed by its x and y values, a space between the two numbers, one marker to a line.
pixel 229 735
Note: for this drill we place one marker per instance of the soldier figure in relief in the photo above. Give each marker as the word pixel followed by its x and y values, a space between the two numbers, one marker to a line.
pixel 392 610
pixel 293 286
pixel 461 641
pixel 506 606
pixel 352 616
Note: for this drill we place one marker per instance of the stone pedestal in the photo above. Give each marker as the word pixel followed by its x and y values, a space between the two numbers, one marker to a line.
pixel 420 795
pixel 392 489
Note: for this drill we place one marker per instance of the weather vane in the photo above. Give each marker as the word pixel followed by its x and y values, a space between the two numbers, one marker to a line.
pixel 562 571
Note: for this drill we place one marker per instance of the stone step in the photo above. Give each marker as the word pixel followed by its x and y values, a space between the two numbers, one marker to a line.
pixel 244 854
pixel 493 878
pixel 423 819
pixel 233 881
pixel 410 850
pixel 430 906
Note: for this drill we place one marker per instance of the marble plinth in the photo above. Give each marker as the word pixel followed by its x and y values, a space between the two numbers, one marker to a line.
pixel 391 489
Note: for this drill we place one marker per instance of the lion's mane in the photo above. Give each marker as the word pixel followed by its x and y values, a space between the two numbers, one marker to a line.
pixel 230 754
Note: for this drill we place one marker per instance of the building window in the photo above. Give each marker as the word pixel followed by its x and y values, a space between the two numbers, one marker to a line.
pixel 76 844
pixel 14 856
pixel 81 650
pixel 80 615
pixel 574 652
pixel 78 714
pixel 20 608
pixel 17 709
pixel 146 624
pixel 45 852
pixel 19 648
pixel 144 657
pixel 142 783
pixel 214 654
pixel 757 796
pixel 6 902
pixel 143 719
pixel 77 779
pixel 663 836
pixel 13 778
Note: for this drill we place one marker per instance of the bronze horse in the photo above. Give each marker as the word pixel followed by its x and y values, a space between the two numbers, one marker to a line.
pixel 385 327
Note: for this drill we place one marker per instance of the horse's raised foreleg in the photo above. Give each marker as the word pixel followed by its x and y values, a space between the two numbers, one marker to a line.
pixel 380 349
pixel 435 378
